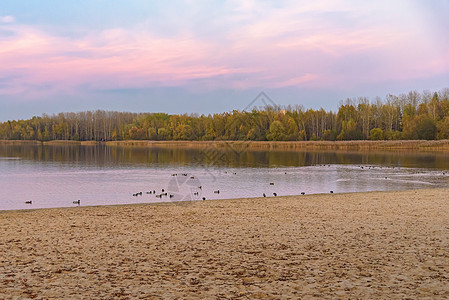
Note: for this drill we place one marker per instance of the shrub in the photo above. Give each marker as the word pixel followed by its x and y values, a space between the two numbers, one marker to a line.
pixel 376 134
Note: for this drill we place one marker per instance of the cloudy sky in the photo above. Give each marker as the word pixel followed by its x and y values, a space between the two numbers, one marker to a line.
pixel 186 56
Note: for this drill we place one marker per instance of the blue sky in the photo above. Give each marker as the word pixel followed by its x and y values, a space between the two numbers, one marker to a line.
pixel 215 56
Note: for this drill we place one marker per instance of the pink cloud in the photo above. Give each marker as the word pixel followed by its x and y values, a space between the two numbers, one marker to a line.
pixel 112 59
pixel 7 19
pixel 273 48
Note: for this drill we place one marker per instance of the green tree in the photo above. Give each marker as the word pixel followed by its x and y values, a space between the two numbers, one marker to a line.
pixel 277 132
pixel 152 133
pixel 392 135
pixel 409 127
pixel 163 134
pixel 426 129
pixel 136 133
pixel 46 136
pixel 349 131
pixel 408 116
pixel 330 135
pixel 443 128
pixel 376 134
pixel 183 132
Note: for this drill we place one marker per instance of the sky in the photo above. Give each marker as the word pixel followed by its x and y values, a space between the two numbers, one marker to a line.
pixel 185 56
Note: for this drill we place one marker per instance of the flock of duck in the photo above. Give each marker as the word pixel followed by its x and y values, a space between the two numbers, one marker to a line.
pixel 160 195
pixel 164 193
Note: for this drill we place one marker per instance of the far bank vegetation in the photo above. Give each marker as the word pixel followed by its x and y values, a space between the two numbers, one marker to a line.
pixel 412 116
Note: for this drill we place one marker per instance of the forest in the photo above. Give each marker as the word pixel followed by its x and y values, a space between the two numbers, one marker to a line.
pixel 408 116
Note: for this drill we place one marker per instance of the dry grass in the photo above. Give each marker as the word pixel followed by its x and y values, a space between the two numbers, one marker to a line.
pixel 415 145
pixel 440 145
pixel 19 142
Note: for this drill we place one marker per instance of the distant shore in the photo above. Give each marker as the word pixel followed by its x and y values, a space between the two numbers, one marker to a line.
pixel 410 145
pixel 372 245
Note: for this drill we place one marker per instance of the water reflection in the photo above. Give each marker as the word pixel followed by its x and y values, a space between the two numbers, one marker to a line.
pixel 113 156
pixel 55 176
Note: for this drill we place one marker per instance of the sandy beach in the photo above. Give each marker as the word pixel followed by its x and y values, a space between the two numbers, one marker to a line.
pixel 387 245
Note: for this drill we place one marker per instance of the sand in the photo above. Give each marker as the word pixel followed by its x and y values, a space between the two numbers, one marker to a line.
pixel 388 245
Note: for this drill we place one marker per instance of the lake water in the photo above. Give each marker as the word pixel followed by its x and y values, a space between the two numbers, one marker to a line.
pixel 55 176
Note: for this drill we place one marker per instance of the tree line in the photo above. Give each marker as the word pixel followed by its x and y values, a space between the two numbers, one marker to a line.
pixel 406 116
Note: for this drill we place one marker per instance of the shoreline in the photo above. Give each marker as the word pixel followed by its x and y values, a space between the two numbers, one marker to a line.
pixel 183 203
pixel 350 245
pixel 186 203
pixel 358 145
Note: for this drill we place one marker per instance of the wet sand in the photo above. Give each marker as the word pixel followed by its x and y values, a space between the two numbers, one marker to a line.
pixel 388 245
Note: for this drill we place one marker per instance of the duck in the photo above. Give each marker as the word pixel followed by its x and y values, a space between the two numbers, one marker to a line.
pixel 275 194
pixel 77 202
pixel 217 192
pixel 28 202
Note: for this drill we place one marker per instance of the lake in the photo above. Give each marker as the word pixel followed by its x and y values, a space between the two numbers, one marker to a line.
pixel 58 175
